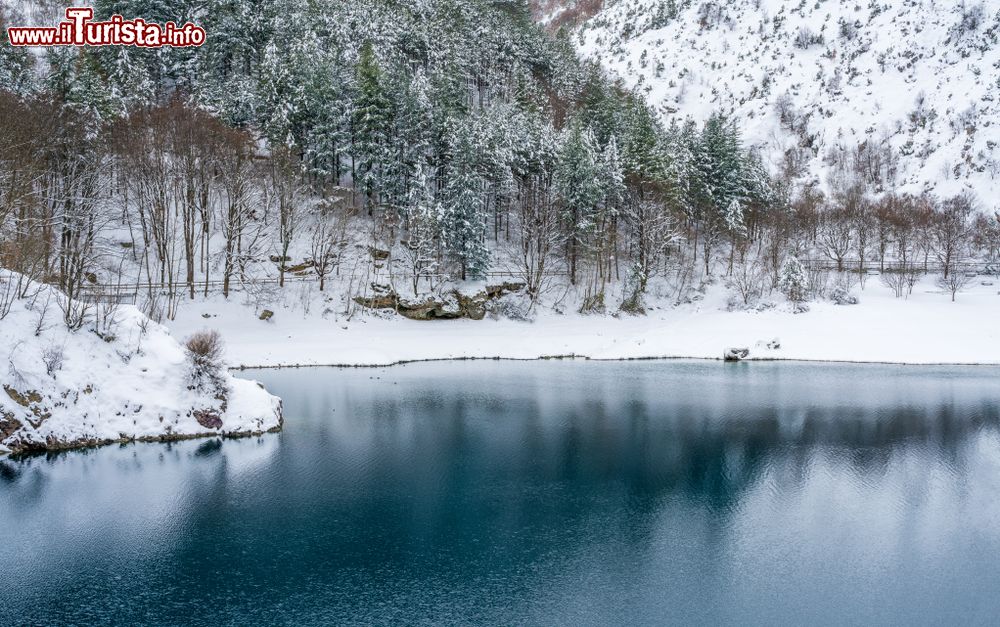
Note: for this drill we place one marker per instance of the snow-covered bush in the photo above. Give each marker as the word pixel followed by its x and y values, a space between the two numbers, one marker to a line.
pixel 806 38
pixel 970 18
pixel 53 357
pixel 848 30
pixel 151 305
pixel 8 295
pixel 204 351
pixel 841 295
pixel 711 14
pixel 793 281
pixel 515 306
pixel 593 303
pixel 901 282
pixel 262 295
pixel 76 312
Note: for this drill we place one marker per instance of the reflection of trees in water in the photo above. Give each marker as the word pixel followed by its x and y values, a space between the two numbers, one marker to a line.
pixel 9 471
pixel 124 565
pixel 613 455
pixel 434 466
pixel 451 489
pixel 415 490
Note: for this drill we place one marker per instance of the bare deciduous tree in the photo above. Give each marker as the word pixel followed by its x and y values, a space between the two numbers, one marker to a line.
pixel 950 231
pixel 747 280
pixel 329 237
pixel 954 282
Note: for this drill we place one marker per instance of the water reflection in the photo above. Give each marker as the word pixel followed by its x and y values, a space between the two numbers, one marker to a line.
pixel 536 493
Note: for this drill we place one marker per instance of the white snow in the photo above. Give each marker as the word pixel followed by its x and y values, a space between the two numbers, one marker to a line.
pixel 134 386
pixel 909 74
pixel 926 328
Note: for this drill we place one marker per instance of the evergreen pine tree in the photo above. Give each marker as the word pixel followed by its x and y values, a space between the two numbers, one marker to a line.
pixel 578 180
pixel 424 214
pixel 793 280
pixel 373 117
pixel 464 219
pixel 16 65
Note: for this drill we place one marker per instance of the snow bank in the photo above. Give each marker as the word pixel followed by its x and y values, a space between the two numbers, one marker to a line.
pixel 926 328
pixel 128 383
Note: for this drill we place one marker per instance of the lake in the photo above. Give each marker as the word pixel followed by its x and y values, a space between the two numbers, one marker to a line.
pixel 550 492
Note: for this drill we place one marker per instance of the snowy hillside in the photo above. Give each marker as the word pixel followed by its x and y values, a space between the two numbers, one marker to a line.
pixel 807 79
pixel 123 379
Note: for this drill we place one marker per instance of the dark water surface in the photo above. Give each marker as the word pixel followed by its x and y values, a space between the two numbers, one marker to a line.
pixel 535 493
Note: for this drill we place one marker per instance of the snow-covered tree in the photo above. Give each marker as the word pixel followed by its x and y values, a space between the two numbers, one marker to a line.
pixel 463 225
pixel 16 65
pixel 578 179
pixel 793 281
pixel 424 215
pixel 372 120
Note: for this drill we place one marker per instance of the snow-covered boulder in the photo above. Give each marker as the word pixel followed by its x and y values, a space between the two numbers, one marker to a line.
pixel 116 379
pixel 735 354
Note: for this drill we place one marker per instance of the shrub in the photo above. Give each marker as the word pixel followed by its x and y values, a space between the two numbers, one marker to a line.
pixel 970 19
pixel 204 350
pixel 510 306
pixel 896 281
pixel 53 357
pixel 841 295
pixel 806 38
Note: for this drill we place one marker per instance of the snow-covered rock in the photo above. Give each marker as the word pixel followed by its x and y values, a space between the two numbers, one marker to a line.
pixel 114 380
pixel 735 354
pixel 809 79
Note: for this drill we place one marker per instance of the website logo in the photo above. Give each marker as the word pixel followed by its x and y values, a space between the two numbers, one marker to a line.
pixel 80 29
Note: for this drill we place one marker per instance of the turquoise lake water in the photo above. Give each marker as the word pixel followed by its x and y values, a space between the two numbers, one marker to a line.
pixel 560 492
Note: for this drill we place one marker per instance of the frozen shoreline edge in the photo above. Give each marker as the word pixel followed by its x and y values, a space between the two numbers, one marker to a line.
pixel 94 443
pixel 574 357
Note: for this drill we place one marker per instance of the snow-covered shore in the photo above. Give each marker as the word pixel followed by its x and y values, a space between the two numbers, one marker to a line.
pixel 926 328
pixel 64 389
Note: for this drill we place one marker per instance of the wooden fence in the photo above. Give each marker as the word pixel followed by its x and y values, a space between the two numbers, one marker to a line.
pixel 131 292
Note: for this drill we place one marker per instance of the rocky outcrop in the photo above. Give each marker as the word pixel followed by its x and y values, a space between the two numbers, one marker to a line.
pixel 378 254
pixel 32 401
pixel 208 418
pixel 8 425
pixel 448 305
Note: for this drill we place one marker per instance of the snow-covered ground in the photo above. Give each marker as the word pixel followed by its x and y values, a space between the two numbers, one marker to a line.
pixel 62 388
pixel 919 76
pixel 926 328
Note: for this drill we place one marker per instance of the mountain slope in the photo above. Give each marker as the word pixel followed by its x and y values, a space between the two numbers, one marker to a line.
pixel 809 79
